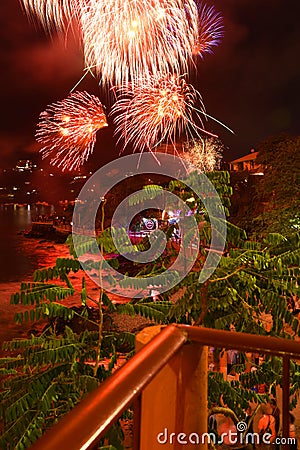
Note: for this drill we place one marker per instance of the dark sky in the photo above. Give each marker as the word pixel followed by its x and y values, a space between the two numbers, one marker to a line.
pixel 251 83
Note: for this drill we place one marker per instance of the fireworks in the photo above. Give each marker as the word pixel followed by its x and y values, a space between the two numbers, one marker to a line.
pixel 52 12
pixel 155 110
pixel 210 26
pixel 67 129
pixel 139 47
pixel 204 154
pixel 124 40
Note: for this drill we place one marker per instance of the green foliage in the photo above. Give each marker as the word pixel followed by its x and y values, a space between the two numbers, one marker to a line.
pixel 249 288
pixel 45 376
pixel 275 203
pixel 156 311
pixel 233 394
pixel 115 437
pixel 149 192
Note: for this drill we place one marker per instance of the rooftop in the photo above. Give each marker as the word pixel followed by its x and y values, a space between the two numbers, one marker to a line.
pixel 249 157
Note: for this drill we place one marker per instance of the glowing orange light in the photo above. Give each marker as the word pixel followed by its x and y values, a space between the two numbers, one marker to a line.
pixel 124 40
pixel 69 138
pixel 156 109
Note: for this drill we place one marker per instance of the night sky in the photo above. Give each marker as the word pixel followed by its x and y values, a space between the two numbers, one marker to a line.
pixel 251 83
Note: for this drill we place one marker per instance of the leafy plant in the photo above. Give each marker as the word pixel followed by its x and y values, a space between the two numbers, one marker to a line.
pixel 45 376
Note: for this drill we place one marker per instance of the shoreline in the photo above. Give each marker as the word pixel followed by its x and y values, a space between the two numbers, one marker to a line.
pixel 45 247
pixel 47 231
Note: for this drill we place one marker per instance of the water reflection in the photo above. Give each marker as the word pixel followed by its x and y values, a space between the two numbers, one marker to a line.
pixel 19 256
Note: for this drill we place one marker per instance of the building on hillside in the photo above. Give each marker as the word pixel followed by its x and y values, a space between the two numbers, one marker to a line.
pixel 247 163
pixel 245 175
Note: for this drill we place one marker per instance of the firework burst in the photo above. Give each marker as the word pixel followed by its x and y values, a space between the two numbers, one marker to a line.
pixel 156 110
pixel 67 129
pixel 124 40
pixel 205 154
pixel 210 29
pixel 140 48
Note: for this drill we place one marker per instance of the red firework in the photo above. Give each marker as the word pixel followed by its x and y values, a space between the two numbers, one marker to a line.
pixel 67 129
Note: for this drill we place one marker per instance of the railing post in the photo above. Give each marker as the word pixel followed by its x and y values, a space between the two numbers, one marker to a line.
pixel 223 363
pixel 285 398
pixel 174 404
pixel 201 387
pixel 137 423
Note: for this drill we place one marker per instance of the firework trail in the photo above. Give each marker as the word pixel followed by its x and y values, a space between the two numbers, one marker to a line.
pixel 210 29
pixel 67 129
pixel 53 13
pixel 124 40
pixel 156 110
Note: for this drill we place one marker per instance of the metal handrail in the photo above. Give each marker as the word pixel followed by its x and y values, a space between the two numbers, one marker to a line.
pixel 95 414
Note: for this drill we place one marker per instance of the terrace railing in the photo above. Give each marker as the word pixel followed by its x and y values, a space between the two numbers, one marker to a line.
pixel 89 421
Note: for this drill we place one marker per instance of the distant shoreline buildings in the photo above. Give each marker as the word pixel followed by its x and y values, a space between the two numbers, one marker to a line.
pixel 27 183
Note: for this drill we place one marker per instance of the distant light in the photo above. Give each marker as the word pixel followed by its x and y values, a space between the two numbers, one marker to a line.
pixel 24 164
